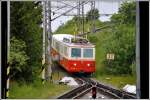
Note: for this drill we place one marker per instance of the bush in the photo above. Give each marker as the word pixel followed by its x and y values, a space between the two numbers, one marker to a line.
pixel 123 46
pixel 18 58
pixel 93 39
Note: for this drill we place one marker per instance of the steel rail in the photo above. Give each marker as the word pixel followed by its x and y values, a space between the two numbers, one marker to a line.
pixel 87 85
pixel 73 92
pixel 113 92
pixel 106 92
pixel 82 93
pixel 119 93
pixel 102 90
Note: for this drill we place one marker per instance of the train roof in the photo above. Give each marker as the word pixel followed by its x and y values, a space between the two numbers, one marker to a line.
pixel 67 39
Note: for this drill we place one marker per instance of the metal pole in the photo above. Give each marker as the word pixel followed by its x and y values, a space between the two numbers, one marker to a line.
pixel 93 17
pixel 49 34
pixel 8 48
pixel 0 49
pixel 149 47
pixel 82 18
pixel 44 31
pixel 78 15
pixel 138 92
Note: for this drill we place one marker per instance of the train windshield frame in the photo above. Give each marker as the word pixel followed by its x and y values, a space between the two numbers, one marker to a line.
pixel 88 53
pixel 76 52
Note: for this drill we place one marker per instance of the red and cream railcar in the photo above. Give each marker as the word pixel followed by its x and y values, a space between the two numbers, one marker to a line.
pixel 73 56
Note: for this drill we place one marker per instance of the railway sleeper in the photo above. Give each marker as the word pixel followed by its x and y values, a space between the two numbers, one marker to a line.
pixel 73 92
pixel 82 93
pixel 106 92
pixel 121 94
pixel 124 95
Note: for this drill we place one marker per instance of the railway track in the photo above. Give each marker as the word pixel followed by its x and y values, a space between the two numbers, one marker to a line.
pixel 75 93
pixel 88 84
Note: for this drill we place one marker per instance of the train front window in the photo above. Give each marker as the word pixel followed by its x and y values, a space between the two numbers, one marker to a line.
pixel 88 53
pixel 76 52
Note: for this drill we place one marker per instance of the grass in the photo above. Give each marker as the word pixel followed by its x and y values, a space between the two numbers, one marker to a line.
pixel 117 81
pixel 36 90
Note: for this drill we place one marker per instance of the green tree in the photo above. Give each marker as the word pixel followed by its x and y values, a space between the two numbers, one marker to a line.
pixel 122 41
pixel 92 14
pixel 126 14
pixel 123 46
pixel 18 57
pixel 25 25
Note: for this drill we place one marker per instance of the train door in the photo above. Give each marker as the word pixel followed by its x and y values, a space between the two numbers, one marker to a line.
pixel 82 61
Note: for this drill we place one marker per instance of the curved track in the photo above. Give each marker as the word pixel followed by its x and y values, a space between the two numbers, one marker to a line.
pixel 102 90
pixel 86 84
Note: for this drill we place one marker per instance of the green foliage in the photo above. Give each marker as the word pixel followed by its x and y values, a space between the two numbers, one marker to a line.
pixel 93 39
pixel 123 46
pixel 25 25
pixel 18 57
pixel 92 14
pixel 65 29
pixel 70 26
pixel 133 67
pixel 126 14
pixel 122 41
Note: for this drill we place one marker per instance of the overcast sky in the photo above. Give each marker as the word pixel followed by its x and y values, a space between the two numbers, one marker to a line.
pixel 104 7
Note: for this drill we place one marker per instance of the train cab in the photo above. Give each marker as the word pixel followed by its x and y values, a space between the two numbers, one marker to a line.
pixel 75 57
pixel 82 59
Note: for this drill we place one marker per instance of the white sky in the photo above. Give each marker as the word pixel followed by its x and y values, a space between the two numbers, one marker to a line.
pixel 104 7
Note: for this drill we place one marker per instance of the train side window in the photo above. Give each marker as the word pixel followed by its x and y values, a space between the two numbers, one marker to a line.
pixel 60 46
pixel 61 49
pixel 53 43
pixel 65 51
pixel 76 52
pixel 88 53
pixel 57 46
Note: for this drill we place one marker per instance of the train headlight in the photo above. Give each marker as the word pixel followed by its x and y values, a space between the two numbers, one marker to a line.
pixel 88 64
pixel 74 64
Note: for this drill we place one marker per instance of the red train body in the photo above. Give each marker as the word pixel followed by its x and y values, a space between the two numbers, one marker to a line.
pixel 73 56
